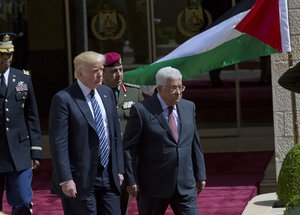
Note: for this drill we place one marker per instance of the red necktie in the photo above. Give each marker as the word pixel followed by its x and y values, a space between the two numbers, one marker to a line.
pixel 172 123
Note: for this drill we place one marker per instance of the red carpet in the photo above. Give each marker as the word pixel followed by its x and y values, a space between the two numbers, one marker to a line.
pixel 217 201
pixel 233 179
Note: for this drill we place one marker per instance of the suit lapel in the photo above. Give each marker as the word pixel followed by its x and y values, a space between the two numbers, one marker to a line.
pixel 158 114
pixel 12 81
pixel 108 105
pixel 181 111
pixel 105 99
pixel 82 104
pixel 122 96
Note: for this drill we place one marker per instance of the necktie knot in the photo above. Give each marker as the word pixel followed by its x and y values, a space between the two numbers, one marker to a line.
pixel 92 93
pixel 170 108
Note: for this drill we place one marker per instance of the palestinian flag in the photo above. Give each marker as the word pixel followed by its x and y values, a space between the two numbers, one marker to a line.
pixel 249 30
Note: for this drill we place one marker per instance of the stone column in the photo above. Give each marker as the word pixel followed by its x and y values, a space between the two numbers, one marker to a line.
pixel 282 108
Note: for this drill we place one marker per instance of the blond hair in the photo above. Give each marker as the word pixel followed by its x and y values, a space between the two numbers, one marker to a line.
pixel 87 57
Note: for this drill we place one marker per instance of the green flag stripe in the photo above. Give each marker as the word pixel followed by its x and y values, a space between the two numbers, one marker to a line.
pixel 239 49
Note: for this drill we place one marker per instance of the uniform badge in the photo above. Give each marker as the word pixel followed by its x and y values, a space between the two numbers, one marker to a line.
pixel 21 86
pixel 128 105
pixel 26 72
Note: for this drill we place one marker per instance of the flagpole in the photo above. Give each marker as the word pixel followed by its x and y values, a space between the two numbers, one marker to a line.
pixel 68 39
pixel 294 106
pixel 151 31
pixel 293 101
pixel 237 93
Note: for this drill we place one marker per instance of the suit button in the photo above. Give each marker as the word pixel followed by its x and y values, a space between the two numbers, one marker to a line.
pixel 6 109
pixel 6 100
pixel 7 119
pixel 7 129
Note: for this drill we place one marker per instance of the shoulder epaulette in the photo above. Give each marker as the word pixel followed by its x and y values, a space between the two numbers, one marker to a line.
pixel 26 72
pixel 131 85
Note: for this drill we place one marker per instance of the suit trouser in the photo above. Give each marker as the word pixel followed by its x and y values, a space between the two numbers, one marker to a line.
pixel 124 200
pixel 180 204
pixel 18 190
pixel 102 201
pixel 2 186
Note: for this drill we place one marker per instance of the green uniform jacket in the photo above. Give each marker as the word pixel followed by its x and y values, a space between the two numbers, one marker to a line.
pixel 128 95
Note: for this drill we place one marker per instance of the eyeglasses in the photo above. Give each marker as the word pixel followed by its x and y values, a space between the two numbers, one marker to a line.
pixel 174 89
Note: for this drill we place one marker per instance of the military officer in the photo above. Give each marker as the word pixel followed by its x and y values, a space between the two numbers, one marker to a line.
pixel 126 96
pixel 20 136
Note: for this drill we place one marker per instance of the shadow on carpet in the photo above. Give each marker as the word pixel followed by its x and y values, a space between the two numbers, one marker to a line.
pixel 232 180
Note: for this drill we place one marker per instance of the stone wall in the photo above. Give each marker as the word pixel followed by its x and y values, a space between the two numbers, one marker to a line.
pixel 282 108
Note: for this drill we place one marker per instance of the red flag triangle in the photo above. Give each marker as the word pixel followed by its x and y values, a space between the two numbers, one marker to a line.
pixel 263 23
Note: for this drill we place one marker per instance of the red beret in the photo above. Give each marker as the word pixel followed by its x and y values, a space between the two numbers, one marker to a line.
pixel 112 59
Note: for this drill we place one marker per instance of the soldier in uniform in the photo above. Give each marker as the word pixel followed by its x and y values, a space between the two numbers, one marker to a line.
pixel 20 135
pixel 126 96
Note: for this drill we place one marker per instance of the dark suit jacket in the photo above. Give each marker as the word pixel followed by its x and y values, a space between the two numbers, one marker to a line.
pixel 291 79
pixel 74 141
pixel 153 159
pixel 20 135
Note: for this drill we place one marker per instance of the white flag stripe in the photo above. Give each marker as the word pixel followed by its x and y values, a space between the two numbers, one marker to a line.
pixel 284 26
pixel 209 39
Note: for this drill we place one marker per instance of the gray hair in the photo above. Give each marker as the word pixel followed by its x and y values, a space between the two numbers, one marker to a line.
pixel 87 57
pixel 166 73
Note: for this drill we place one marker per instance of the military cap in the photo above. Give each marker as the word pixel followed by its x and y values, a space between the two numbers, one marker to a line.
pixel 6 42
pixel 290 79
pixel 112 59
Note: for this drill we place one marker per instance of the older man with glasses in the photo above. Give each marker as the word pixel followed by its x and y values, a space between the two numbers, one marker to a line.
pixel 164 162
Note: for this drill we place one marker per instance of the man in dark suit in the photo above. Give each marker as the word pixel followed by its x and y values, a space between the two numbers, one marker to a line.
pixel 86 181
pixel 20 135
pixel 290 80
pixel 126 96
pixel 164 162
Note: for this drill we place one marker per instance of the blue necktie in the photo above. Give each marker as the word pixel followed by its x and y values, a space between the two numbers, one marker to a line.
pixel 103 144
